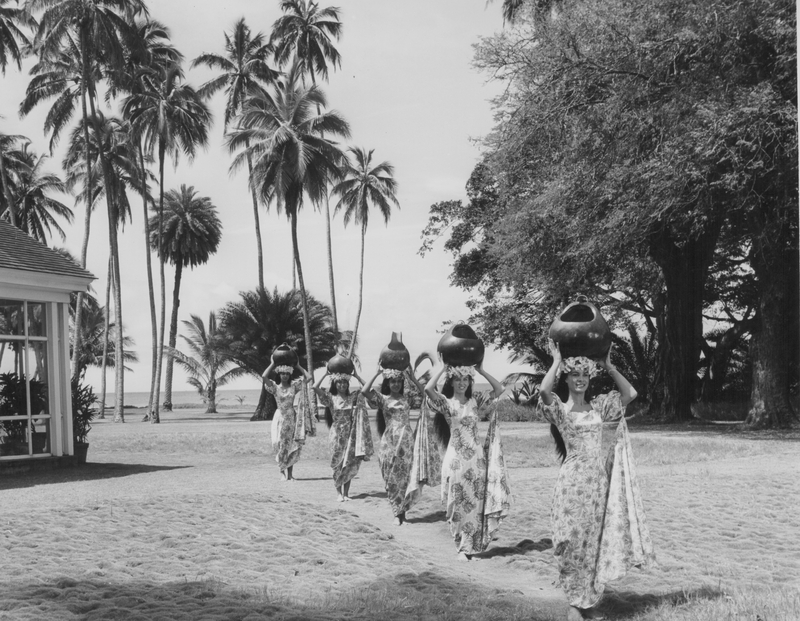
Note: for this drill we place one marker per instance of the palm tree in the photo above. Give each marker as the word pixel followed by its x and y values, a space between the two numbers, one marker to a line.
pixel 244 70
pixel 306 32
pixel 93 339
pixel 36 209
pixel 191 234
pixel 260 321
pixel 153 50
pixel 291 158
pixel 10 34
pixel 170 117
pixel 361 187
pixel 10 166
pixel 209 367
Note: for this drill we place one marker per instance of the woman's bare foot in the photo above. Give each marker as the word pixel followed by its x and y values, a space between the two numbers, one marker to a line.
pixel 574 614
pixel 347 498
pixel 283 475
pixel 397 521
pixel 462 556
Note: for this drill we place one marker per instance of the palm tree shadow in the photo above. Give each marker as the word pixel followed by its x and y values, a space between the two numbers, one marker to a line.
pixel 436 516
pixel 86 472
pixel 523 547
pixel 625 604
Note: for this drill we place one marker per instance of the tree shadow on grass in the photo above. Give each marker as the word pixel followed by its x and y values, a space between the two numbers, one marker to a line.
pixel 625 604
pixel 523 547
pixel 84 472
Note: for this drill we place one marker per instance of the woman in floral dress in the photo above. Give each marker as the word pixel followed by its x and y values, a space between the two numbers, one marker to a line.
pixel 350 434
pixel 598 521
pixel 475 485
pixel 288 430
pixel 396 452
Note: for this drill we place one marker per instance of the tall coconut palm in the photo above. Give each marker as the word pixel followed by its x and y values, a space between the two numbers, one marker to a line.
pixel 210 365
pixel 291 158
pixel 12 19
pixel 191 234
pixel 261 320
pixel 36 208
pixel 152 51
pixel 10 166
pixel 170 117
pixel 100 30
pixel 306 32
pixel 243 70
pixel 364 186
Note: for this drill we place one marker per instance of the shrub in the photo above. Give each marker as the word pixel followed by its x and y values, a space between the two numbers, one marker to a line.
pixel 83 398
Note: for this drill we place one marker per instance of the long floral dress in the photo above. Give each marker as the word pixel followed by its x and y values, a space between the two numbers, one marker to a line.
pixel 396 451
pixel 350 435
pixel 288 430
pixel 475 486
pixel 426 464
pixel 599 529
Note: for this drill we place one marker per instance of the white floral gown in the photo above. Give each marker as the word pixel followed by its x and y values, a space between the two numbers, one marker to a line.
pixel 288 429
pixel 475 487
pixel 599 528
pixel 350 435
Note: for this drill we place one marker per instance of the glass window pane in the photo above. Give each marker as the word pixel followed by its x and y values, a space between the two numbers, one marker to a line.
pixel 37 378
pixel 37 326
pixel 40 440
pixel 12 317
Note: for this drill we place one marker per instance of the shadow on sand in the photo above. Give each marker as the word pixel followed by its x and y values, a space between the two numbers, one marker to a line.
pixel 436 516
pixel 624 604
pixel 84 472
pixel 375 494
pixel 523 547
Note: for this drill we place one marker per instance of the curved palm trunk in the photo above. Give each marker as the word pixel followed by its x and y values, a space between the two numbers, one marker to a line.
pixel 154 415
pixel 303 299
pixel 256 218
pixel 106 322
pixel 360 290
pixel 150 292
pixel 12 208
pixel 76 344
pixel 173 335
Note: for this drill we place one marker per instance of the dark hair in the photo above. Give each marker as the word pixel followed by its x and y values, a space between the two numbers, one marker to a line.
pixel 276 377
pixel 561 448
pixel 385 390
pixel 335 391
pixel 328 417
pixel 448 391
pixel 441 428
pixel 380 421
pixel 562 391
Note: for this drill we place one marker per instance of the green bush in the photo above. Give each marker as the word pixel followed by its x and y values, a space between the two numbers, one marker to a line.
pixel 83 398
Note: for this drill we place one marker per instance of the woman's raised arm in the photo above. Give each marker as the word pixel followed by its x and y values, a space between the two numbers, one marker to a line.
pixel 626 391
pixel 549 381
pixel 430 387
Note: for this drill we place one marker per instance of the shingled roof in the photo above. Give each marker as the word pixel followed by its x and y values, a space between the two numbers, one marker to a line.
pixel 19 251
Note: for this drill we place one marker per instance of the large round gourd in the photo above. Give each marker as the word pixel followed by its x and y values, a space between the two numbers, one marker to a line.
pixel 460 346
pixel 341 364
pixel 580 330
pixel 284 355
pixel 395 355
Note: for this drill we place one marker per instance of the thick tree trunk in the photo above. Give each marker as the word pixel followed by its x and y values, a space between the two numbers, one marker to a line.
pixel 774 347
pixel 103 362
pixel 211 398
pixel 330 265
pixel 150 291
pixel 159 353
pixel 173 337
pixel 360 291
pixel 256 218
pixel 684 264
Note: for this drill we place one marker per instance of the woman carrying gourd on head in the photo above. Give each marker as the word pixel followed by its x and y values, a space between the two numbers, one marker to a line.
pixel 475 485
pixel 597 517
pixel 350 435
pixel 288 430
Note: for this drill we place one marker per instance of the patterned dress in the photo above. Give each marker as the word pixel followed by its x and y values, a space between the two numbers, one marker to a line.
pixel 288 432
pixel 350 435
pixel 475 486
pixel 396 451
pixel 599 529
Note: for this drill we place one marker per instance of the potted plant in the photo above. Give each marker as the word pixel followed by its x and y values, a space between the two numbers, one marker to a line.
pixel 83 398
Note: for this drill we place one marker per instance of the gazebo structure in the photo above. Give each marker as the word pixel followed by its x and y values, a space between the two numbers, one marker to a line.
pixel 35 396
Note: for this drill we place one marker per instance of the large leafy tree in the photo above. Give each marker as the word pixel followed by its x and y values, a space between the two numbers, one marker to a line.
pixel 208 364
pixel 10 166
pixel 621 152
pixel 261 320
pixel 244 69
pixel 13 38
pixel 291 157
pixel 304 34
pixel 170 117
pixel 191 231
pixel 365 186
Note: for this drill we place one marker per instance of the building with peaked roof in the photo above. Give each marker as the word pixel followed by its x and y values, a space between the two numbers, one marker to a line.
pixel 35 396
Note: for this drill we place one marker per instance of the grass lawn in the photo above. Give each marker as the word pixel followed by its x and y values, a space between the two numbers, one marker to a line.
pixel 190 520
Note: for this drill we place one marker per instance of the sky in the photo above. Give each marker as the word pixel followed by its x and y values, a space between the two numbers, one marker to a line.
pixel 408 89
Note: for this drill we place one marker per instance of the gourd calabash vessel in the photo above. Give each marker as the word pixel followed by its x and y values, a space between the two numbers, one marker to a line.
pixel 284 354
pixel 580 330
pixel 395 355
pixel 460 346
pixel 341 364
